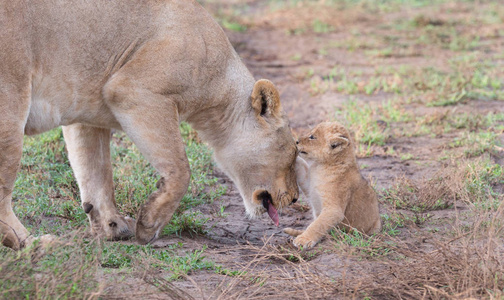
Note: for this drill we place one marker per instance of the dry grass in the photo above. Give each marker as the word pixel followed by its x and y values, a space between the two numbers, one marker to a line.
pixel 469 265
pixel 63 269
pixel 70 267
pixel 423 195
pixel 145 283
pixel 275 272
pixel 465 262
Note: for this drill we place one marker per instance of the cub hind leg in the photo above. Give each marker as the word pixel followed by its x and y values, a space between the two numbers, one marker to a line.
pixel 377 226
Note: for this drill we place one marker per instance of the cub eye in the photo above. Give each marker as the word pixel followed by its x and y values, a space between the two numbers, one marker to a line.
pixel 311 137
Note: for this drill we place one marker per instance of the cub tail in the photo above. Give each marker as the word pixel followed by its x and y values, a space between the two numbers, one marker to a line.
pixel 293 232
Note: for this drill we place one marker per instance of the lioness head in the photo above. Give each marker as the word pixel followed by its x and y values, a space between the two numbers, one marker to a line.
pixel 260 157
pixel 328 142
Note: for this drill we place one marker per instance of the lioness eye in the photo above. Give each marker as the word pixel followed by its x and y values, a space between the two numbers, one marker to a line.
pixel 311 137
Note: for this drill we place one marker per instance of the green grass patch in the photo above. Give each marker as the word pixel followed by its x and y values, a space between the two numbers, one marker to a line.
pixel 173 259
pixel 46 189
pixel 233 26
pixel 47 200
pixel 369 5
pixel 45 186
pixel 64 271
pixel 464 82
pixel 483 182
pixel 321 27
pixel 189 222
pixel 368 246
pixel 72 269
pixel 362 119
pixel 391 224
pixel 475 143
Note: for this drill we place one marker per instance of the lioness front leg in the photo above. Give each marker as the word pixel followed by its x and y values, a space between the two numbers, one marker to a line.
pixel 13 114
pixel 328 218
pixel 89 154
pixel 151 121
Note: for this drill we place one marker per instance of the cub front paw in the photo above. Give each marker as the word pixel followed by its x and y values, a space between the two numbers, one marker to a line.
pixel 292 232
pixel 304 241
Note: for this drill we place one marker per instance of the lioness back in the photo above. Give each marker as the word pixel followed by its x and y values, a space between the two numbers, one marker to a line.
pixel 328 175
pixel 72 58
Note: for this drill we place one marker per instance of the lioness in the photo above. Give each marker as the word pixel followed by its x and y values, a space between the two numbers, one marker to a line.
pixel 330 178
pixel 141 67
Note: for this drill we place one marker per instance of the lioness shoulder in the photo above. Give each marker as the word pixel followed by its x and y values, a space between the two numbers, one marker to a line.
pixel 329 177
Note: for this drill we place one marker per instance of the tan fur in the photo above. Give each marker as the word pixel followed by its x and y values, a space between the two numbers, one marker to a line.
pixel 328 175
pixel 142 67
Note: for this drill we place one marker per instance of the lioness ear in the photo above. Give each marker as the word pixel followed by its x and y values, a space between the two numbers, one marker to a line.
pixel 265 99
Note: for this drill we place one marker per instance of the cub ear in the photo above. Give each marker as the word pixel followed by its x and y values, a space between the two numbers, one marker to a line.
pixel 265 99
pixel 338 142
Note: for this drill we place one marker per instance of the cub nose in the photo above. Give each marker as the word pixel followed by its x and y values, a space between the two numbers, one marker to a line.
pixel 297 142
pixel 294 200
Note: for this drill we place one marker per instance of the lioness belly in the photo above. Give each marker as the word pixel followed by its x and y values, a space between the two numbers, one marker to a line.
pixel 51 107
pixel 43 116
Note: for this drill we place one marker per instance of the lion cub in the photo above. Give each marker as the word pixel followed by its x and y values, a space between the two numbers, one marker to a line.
pixel 329 176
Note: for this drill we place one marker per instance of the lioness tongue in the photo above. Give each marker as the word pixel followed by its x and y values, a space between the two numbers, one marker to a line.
pixel 273 213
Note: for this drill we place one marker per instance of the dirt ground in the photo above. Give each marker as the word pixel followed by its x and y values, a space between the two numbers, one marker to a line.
pixel 276 46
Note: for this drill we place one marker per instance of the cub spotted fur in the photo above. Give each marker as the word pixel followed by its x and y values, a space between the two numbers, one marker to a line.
pixel 329 176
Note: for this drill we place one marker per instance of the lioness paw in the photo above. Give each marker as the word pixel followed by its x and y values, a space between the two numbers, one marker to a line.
pixel 304 241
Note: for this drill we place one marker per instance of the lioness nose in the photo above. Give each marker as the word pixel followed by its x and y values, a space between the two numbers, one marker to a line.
pixel 297 142
pixel 294 200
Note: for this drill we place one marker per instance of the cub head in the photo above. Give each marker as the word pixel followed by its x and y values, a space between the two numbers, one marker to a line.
pixel 260 155
pixel 328 142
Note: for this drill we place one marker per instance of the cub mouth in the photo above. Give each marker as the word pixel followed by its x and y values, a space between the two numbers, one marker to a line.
pixel 267 202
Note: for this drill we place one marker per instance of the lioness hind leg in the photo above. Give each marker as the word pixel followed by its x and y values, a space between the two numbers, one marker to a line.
pixel 151 121
pixel 89 154
pixel 13 114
